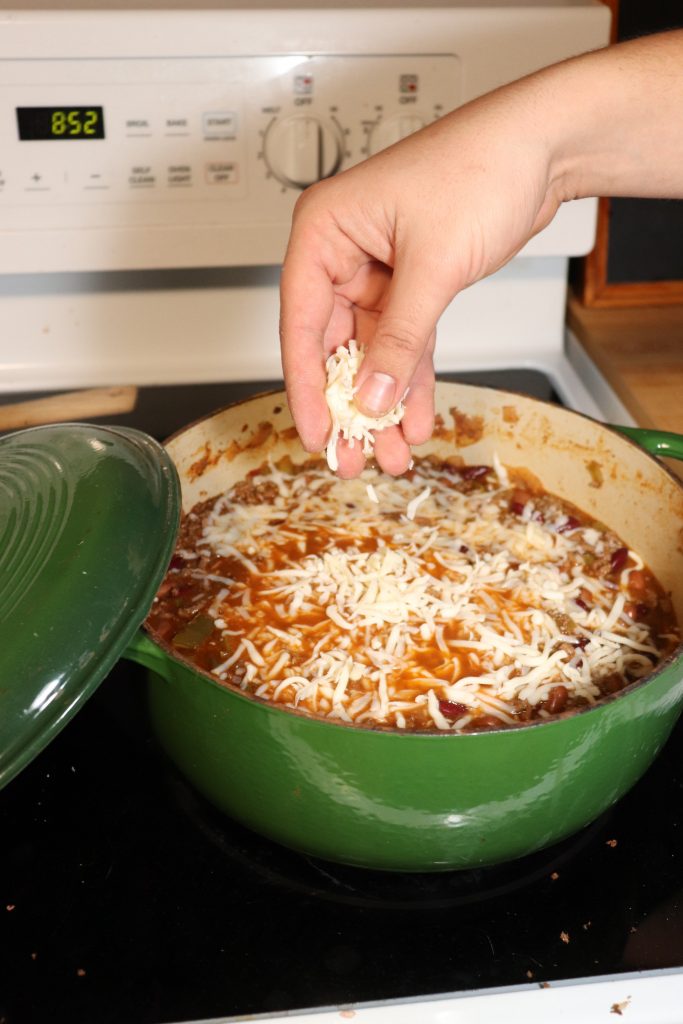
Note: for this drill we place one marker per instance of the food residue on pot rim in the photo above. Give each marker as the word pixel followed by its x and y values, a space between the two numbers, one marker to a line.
pixel 265 432
pixel 466 429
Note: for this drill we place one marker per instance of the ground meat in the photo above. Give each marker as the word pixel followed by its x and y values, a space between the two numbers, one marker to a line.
pixel 296 587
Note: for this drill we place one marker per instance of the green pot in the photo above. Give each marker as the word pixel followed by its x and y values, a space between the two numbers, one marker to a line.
pixel 428 801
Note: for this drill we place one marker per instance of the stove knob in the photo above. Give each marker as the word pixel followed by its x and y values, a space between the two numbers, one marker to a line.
pixel 301 150
pixel 386 133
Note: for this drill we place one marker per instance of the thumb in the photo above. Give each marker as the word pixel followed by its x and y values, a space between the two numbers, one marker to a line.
pixel 417 297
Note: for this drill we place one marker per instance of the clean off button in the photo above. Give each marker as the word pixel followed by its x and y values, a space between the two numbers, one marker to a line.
pixel 221 124
pixel 222 173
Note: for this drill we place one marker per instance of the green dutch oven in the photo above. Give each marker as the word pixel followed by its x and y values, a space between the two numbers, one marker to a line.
pixel 372 798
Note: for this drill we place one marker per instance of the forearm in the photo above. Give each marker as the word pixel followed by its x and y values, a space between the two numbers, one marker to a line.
pixel 378 252
pixel 615 120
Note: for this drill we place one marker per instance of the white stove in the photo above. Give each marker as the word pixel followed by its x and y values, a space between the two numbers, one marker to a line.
pixel 149 163
pixel 151 159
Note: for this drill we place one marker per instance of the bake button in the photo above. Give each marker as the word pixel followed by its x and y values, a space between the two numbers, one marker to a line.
pixel 222 173
pixel 142 176
pixel 179 176
pixel 177 126
pixel 220 124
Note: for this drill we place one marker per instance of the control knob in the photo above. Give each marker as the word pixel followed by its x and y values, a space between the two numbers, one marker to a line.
pixel 300 150
pixel 386 133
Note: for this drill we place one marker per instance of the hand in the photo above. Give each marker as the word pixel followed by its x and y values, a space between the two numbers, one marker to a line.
pixel 378 252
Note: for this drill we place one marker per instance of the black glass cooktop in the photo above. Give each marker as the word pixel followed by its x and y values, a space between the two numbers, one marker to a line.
pixel 124 897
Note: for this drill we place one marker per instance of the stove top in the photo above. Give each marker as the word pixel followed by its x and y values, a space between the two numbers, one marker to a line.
pixel 124 897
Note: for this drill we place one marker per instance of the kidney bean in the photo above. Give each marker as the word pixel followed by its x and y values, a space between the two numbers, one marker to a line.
pixel 518 500
pixel 557 699
pixel 451 710
pixel 473 472
pixel 581 603
pixel 640 587
pixel 611 683
pixel 618 560
pixel 571 524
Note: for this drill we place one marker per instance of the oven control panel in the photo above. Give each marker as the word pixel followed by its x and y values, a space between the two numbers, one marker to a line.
pixel 172 137
pixel 147 142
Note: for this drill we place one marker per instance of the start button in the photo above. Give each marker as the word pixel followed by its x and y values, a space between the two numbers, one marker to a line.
pixel 220 124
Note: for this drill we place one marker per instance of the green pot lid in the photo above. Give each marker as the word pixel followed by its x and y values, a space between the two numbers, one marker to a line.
pixel 88 520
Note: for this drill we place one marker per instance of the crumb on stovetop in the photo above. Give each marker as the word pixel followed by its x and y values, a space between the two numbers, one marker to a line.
pixel 619 1008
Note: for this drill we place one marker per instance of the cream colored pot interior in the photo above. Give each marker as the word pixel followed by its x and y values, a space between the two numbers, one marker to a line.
pixel 601 472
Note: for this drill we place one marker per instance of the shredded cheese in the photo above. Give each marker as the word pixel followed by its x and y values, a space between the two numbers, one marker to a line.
pixel 364 611
pixel 347 420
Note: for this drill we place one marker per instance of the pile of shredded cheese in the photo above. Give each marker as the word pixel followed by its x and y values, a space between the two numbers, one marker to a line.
pixel 347 420
pixel 377 599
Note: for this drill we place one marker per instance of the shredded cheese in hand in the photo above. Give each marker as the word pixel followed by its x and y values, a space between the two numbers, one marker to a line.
pixel 342 368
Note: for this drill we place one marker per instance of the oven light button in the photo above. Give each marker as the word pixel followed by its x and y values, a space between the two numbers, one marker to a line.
pixel 179 176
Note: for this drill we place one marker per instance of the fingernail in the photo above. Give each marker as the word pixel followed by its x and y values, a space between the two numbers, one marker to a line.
pixel 376 394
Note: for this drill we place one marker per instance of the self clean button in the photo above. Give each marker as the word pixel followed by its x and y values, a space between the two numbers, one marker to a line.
pixel 142 176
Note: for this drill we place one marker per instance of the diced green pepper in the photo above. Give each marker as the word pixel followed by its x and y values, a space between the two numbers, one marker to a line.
pixel 194 633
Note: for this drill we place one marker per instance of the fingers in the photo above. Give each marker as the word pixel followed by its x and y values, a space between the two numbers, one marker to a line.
pixel 392 445
pixel 324 272
pixel 306 304
pixel 417 297
pixel 351 459
pixel 391 451
pixel 418 422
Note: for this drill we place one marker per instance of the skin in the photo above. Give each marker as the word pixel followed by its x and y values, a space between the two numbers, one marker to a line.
pixel 380 250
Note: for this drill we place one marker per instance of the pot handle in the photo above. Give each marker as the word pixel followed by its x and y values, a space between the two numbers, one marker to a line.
pixel 657 442
pixel 146 653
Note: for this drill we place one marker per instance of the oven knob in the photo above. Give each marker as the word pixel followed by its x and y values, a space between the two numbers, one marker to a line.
pixel 386 133
pixel 301 150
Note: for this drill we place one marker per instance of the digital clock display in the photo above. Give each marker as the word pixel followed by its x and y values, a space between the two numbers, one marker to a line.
pixel 60 123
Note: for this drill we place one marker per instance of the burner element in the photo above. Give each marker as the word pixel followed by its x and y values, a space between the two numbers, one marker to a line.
pixel 352 886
